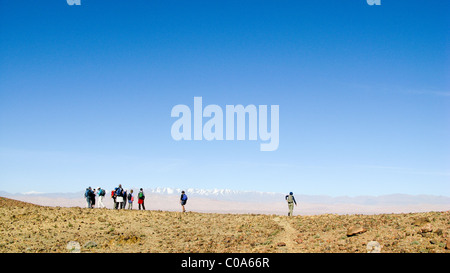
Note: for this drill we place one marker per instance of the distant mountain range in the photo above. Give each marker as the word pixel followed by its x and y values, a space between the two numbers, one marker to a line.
pixel 234 201
pixel 252 196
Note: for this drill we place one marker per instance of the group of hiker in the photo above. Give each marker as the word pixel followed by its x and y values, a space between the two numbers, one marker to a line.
pixel 121 198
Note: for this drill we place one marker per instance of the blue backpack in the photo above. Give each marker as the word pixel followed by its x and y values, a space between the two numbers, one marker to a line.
pixel 184 198
pixel 118 192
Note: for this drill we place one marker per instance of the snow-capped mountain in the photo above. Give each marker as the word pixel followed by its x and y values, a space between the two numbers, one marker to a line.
pixel 220 194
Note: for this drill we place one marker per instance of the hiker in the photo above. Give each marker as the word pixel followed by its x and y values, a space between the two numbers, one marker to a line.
pixel 113 196
pixel 141 197
pixel 124 195
pixel 183 200
pixel 119 197
pixel 101 196
pixel 87 195
pixel 130 200
pixel 92 193
pixel 291 201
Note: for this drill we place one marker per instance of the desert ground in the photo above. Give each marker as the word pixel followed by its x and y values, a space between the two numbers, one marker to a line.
pixel 29 228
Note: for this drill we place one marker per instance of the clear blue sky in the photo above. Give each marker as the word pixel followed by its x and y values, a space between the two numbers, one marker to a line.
pixel 86 94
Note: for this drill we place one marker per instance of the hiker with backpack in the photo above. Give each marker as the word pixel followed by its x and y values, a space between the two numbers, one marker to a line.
pixel 113 196
pixel 183 200
pixel 118 193
pixel 101 196
pixel 141 197
pixel 130 199
pixel 291 201
pixel 87 196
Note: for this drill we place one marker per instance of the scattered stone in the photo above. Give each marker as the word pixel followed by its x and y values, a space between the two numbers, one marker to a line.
pixel 90 244
pixel 353 230
pixel 281 244
pixel 426 228
pixel 421 221
pixel 447 246
pixel 298 241
pixel 73 247
pixel 373 247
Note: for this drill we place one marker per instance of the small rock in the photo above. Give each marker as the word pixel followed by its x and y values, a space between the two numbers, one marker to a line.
pixel 353 230
pixel 426 228
pixel 373 247
pixel 421 221
pixel 447 245
pixel 90 244
pixel 73 247
pixel 298 241
pixel 281 244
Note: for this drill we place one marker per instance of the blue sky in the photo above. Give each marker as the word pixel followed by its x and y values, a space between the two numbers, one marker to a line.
pixel 86 94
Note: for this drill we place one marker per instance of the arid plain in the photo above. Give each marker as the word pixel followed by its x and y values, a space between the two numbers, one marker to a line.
pixel 30 228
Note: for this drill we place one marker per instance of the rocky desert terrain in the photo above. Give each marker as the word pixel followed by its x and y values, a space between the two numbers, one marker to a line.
pixel 29 228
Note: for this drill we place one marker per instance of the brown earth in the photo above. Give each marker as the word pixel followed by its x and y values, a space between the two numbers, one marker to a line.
pixel 30 228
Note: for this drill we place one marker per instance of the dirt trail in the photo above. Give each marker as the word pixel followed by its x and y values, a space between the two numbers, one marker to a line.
pixel 287 235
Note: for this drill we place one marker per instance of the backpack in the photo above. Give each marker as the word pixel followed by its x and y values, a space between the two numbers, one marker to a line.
pixel 129 196
pixel 290 199
pixel 118 192
pixel 141 196
pixel 184 197
pixel 102 192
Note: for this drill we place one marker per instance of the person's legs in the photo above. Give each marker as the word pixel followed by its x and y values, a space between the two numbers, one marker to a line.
pixel 100 202
pixel 291 209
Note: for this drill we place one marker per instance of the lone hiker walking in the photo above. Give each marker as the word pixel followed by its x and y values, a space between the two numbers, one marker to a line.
pixel 291 201
pixel 183 200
